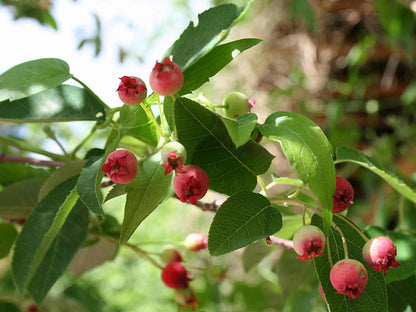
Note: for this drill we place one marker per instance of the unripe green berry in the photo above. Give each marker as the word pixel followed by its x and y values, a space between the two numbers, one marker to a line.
pixel 236 104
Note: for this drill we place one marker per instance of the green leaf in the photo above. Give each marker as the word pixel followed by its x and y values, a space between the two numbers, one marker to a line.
pixel 213 26
pixel 65 172
pixel 307 148
pixel 8 234
pixel 144 194
pixel 18 200
pixel 14 172
pixel 347 154
pixel 32 77
pixel 242 219
pixel 211 63
pixel 401 294
pixel 39 234
pixel 406 252
pixel 134 122
pixel 116 190
pixel 65 245
pixel 86 186
pixel 374 297
pixel 63 103
pixel 209 146
pixel 240 130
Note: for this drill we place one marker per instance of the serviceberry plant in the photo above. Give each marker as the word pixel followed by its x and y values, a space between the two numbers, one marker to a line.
pixel 177 146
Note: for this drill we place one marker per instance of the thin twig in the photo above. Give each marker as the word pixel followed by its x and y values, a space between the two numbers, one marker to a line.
pixel 32 161
pixel 281 242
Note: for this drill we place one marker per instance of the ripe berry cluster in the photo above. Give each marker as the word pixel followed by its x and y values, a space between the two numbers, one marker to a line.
pixel 347 276
pixel 176 276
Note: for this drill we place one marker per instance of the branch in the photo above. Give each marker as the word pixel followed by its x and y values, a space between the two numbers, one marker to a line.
pixel 32 161
pixel 273 240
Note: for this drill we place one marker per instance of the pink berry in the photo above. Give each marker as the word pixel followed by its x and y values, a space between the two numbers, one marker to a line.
pixel 131 90
pixel 349 277
pixel 309 242
pixel 344 194
pixel 121 166
pixel 166 78
pixel 174 275
pixel 379 253
pixel 191 184
pixel 186 298
pixel 173 156
pixel 196 241
pixel 170 254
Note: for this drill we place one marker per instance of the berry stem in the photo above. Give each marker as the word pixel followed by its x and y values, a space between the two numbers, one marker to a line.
pixel 161 114
pixel 353 226
pixel 141 253
pixel 152 118
pixel 262 185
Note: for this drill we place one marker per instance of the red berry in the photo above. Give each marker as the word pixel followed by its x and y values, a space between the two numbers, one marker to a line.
pixel 196 241
pixel 174 275
pixel 309 242
pixel 349 277
pixel 121 166
pixel 173 156
pixel 191 184
pixel 379 253
pixel 166 78
pixel 131 90
pixel 344 194
pixel 32 308
pixel 170 254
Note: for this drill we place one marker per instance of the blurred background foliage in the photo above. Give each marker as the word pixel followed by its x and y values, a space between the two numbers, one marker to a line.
pixel 349 65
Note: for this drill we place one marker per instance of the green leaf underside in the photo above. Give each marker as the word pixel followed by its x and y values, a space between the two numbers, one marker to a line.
pixel 195 41
pixel 32 77
pixel 242 219
pixel 402 293
pixel 307 148
pixel 134 122
pixel 63 103
pixel 240 130
pixel 63 248
pixel 211 63
pixel 374 297
pixel 86 189
pixel 346 154
pixel 144 194
pixel 18 200
pixel 40 231
pixel 209 146
pixel 8 234
pixel 406 252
